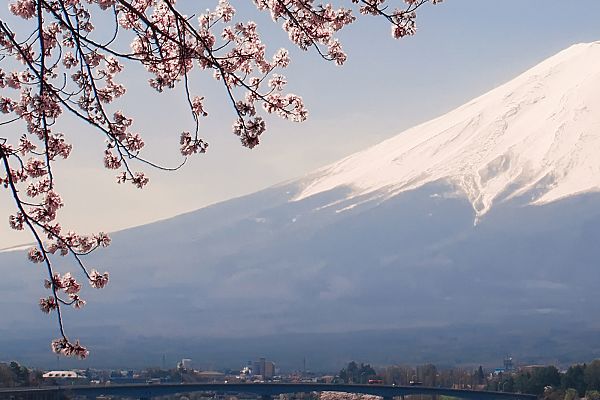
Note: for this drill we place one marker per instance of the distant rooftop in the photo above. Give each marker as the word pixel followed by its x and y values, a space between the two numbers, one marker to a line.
pixel 62 374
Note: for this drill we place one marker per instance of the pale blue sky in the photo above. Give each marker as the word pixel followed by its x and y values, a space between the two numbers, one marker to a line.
pixel 462 49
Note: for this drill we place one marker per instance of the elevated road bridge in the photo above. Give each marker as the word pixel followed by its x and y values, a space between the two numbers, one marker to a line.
pixel 263 390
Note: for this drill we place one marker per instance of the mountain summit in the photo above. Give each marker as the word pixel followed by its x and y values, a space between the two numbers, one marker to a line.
pixel 537 135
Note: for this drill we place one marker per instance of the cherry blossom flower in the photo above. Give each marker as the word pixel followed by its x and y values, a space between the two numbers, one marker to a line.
pixel 48 304
pixel 98 280
pixel 76 300
pixel 35 255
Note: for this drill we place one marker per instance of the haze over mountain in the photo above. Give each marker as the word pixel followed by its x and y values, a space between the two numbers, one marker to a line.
pixel 377 255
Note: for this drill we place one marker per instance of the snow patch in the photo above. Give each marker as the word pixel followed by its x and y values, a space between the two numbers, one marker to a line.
pixel 539 133
pixel 16 248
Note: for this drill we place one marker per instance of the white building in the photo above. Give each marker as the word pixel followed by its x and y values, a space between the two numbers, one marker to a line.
pixel 63 376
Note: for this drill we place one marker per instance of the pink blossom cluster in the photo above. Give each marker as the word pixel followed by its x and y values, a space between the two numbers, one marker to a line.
pixel 170 46
pixel 97 279
pixel 61 66
pixel 346 396
pixel 66 283
pixel 309 25
pixel 402 20
pixel 66 348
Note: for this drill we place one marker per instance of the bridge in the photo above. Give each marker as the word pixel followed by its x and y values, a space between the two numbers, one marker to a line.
pixel 263 390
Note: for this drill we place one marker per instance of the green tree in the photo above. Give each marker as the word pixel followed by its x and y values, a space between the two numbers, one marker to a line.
pixel 508 384
pixel 365 372
pixel 21 374
pixel 542 377
pixel 537 380
pixel 574 379
pixel 480 376
pixel 592 375
pixel 349 373
pixel 522 382
pixel 354 373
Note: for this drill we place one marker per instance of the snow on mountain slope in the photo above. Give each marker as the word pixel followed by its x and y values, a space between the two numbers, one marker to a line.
pixel 538 134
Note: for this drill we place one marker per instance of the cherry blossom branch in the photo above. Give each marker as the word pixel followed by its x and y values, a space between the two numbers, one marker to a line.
pixel 57 67
pixel 39 254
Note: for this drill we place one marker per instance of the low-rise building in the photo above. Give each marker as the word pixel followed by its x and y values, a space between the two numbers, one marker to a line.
pixel 64 377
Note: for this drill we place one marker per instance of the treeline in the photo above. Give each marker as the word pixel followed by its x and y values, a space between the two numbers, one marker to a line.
pixel 582 380
pixel 13 375
pixel 430 375
pixel 426 375
pixel 578 381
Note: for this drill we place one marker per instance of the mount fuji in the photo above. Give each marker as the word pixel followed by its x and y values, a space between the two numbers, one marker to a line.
pixel 462 239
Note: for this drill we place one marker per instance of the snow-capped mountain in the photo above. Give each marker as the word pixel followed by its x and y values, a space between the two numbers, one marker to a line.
pixel 537 134
pixel 382 240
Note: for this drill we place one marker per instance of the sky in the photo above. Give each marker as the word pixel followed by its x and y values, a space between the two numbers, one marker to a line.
pixel 462 49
